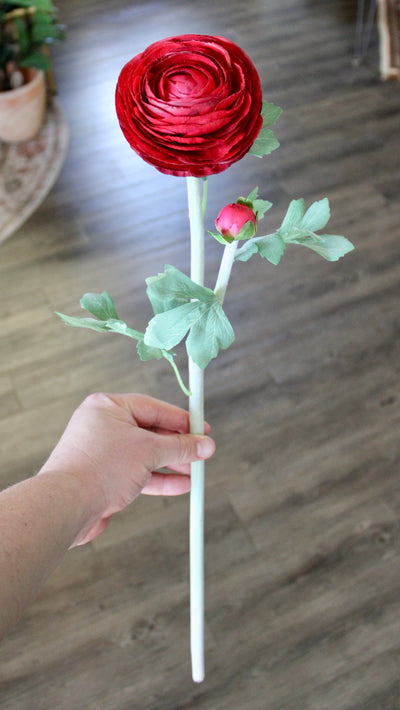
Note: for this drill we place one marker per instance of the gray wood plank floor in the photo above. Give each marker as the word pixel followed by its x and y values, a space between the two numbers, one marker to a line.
pixel 303 494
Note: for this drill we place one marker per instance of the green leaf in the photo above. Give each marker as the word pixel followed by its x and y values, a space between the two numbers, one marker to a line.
pixel 208 335
pixel 247 250
pixel 103 303
pixel 39 4
pixel 245 201
pixel 100 305
pixel 270 113
pixel 187 307
pixel 36 60
pixel 247 232
pixel 45 31
pixel 264 144
pixel 23 36
pixel 271 247
pixel 101 326
pixel 209 330
pixel 253 196
pixel 260 207
pixel 91 323
pixel 220 238
pixel 118 326
pixel 299 227
pixel 330 246
pixel 167 329
pixel 173 288
pixel 316 217
pixel 146 353
pixel 293 216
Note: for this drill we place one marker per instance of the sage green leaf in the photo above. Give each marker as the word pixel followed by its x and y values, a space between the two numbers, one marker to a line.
pixel 172 288
pixel 246 251
pixel 293 216
pixel 264 144
pixel 245 201
pixel 91 323
pixel 220 238
pixel 168 328
pixel 247 232
pixel 330 246
pixel 101 326
pixel 118 326
pixel 253 196
pixel 208 335
pixel 316 217
pixel 146 353
pixel 271 247
pixel 100 305
pixel 270 113
pixel 260 207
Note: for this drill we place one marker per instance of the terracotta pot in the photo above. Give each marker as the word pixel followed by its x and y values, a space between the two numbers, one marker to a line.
pixel 22 110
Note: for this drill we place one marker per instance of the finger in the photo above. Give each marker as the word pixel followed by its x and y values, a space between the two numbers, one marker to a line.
pixel 157 430
pixel 166 484
pixel 177 449
pixel 151 413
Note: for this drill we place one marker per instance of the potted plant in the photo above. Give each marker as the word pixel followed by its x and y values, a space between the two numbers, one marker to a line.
pixel 26 28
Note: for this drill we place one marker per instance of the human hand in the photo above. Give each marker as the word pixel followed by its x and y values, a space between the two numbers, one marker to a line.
pixel 114 444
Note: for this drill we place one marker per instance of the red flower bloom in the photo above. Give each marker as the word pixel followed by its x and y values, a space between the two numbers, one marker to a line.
pixel 232 219
pixel 190 105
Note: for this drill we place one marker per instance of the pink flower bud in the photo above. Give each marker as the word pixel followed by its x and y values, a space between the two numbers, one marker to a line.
pixel 232 219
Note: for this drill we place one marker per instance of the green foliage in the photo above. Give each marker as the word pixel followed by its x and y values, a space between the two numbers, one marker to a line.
pixel 25 26
pixel 46 5
pixel 100 305
pixel 266 142
pixel 185 307
pixel 220 238
pixel 106 320
pixel 299 227
pixel 258 206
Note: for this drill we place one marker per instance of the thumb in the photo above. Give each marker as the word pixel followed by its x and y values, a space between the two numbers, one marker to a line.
pixel 174 449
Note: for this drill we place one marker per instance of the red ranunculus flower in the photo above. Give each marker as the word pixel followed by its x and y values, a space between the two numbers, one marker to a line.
pixel 190 105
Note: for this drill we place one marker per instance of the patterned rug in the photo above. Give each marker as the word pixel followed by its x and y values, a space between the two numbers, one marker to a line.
pixel 29 170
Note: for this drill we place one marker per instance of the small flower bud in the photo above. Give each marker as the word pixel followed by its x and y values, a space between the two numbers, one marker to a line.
pixel 232 219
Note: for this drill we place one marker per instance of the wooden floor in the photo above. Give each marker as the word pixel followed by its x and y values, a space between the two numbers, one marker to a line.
pixel 303 494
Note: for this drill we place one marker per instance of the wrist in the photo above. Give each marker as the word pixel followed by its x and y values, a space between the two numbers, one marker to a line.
pixel 79 503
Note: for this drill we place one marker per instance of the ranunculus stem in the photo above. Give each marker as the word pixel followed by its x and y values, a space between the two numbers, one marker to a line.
pixel 196 413
pixel 225 269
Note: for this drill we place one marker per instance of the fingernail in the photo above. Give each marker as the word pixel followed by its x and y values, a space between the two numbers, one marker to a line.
pixel 205 447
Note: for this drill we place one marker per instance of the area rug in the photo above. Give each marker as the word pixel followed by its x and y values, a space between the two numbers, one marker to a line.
pixel 29 170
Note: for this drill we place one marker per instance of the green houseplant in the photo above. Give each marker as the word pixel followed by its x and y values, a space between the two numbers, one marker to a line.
pixel 27 27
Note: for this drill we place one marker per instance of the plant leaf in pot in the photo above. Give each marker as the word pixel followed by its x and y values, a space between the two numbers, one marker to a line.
pixel 26 28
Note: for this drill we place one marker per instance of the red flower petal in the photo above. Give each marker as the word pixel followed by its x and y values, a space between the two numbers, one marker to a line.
pixel 190 105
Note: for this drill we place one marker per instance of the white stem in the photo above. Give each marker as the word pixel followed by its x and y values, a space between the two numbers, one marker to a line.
pixel 225 269
pixel 196 413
